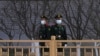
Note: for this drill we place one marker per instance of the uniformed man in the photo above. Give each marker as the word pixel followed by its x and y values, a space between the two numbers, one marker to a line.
pixel 59 31
pixel 44 33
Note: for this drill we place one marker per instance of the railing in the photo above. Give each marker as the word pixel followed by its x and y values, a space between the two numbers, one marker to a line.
pixel 73 48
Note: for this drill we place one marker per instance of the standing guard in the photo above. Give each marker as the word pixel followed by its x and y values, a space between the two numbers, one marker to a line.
pixel 59 31
pixel 44 33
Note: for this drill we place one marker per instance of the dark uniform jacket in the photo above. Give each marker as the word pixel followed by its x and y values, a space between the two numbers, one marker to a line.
pixel 59 31
pixel 44 32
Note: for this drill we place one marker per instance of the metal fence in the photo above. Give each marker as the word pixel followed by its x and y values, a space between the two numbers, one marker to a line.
pixel 73 48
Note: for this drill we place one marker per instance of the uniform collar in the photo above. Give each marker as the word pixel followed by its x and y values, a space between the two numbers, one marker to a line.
pixel 45 25
pixel 58 24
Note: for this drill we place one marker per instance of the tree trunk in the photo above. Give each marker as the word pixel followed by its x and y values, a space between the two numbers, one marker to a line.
pixel 37 49
pixel 78 49
pixel 32 49
pixel 96 50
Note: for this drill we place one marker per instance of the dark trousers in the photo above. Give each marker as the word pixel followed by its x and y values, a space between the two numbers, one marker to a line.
pixel 43 49
pixel 61 49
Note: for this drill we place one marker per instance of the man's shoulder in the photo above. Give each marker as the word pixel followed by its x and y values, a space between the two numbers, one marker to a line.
pixel 52 25
pixel 58 25
pixel 63 24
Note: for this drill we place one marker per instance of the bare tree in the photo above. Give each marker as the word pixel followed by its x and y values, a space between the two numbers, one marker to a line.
pixel 95 20
pixel 77 18
pixel 23 17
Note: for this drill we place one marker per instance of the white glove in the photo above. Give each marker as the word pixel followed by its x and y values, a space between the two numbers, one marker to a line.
pixel 65 45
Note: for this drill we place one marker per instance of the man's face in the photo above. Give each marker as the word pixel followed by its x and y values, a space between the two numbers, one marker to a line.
pixel 58 20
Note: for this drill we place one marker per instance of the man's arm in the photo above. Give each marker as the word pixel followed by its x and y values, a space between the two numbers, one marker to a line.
pixel 64 33
pixel 40 33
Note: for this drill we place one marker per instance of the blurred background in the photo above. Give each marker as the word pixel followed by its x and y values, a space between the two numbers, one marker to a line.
pixel 20 19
